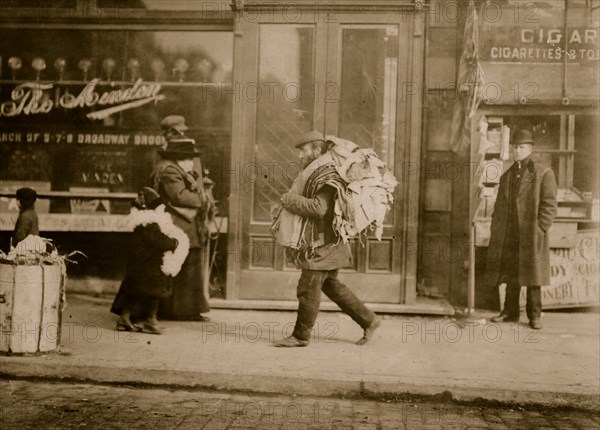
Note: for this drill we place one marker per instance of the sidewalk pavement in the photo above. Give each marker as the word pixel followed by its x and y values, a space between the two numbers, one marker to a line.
pixel 558 365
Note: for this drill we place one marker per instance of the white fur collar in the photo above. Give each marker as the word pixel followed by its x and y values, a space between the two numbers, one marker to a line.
pixel 172 260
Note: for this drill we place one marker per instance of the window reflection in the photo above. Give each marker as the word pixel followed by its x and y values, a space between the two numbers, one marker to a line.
pixel 211 6
pixel 369 83
pixel 72 137
pixel 587 135
pixel 285 98
pixel 545 131
pixel 38 4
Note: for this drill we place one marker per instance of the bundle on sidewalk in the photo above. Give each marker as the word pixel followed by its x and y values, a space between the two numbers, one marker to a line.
pixel 32 296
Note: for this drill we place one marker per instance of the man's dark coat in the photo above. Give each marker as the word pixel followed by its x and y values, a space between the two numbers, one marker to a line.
pixel 536 209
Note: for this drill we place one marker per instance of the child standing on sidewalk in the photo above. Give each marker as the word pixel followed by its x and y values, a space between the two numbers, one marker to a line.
pixel 27 222
pixel 158 249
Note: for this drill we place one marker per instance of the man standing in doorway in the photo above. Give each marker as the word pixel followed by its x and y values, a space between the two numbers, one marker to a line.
pixel 323 253
pixel 519 251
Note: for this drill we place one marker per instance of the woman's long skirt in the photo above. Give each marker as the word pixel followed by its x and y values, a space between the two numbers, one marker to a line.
pixel 187 301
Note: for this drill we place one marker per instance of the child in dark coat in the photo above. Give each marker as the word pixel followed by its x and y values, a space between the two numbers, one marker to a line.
pixel 27 222
pixel 158 249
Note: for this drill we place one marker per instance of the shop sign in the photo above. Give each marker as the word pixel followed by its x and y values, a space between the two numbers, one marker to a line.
pixel 517 44
pixel 574 280
pixel 82 138
pixel 86 206
pixel 574 274
pixel 32 98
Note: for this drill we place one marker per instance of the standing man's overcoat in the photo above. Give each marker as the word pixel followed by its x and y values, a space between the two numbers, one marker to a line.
pixel 536 209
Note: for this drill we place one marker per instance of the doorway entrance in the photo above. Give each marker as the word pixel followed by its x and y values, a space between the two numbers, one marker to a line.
pixel 353 78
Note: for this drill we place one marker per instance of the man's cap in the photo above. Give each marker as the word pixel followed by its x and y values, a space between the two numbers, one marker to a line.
pixel 26 195
pixel 180 148
pixel 311 136
pixel 176 122
pixel 522 136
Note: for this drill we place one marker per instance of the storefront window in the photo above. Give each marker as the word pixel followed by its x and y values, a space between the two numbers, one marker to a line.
pixel 285 97
pixel 567 143
pixel 369 88
pixel 37 3
pixel 82 109
pixel 587 140
pixel 546 132
pixel 187 5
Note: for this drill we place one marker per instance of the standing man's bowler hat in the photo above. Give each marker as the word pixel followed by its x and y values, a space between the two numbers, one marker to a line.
pixel 311 136
pixel 180 148
pixel 522 136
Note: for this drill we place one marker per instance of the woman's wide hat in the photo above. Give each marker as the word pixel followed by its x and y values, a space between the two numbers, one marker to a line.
pixel 181 147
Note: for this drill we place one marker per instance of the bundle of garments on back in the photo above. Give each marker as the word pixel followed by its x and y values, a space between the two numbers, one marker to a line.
pixel 363 196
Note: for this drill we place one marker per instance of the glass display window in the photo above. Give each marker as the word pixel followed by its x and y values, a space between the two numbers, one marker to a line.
pixel 567 143
pixel 82 108
pixel 171 5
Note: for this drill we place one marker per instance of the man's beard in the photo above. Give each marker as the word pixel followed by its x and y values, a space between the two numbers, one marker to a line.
pixel 306 161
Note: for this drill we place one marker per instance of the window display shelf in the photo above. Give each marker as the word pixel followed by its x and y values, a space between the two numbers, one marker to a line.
pixel 90 223
pixel 77 195
pixel 116 83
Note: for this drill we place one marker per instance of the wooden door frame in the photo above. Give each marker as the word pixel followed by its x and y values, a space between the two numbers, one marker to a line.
pixel 409 118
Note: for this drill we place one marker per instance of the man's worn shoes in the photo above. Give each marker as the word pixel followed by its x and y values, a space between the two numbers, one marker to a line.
pixel 291 342
pixel 505 318
pixel 368 334
pixel 535 324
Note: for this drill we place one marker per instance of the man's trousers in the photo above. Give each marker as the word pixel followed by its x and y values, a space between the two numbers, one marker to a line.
pixel 510 272
pixel 310 285
pixel 533 306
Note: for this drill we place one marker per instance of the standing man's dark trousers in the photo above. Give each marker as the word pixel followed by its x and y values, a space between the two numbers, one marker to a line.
pixel 309 295
pixel 510 272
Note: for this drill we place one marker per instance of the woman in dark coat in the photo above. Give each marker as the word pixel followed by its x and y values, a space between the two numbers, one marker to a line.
pixel 186 200
pixel 158 249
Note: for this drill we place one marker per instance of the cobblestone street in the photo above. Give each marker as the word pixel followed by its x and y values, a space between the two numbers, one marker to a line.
pixel 44 405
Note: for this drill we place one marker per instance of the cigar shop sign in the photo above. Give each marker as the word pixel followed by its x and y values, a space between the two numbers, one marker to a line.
pixel 516 44
pixel 35 98
pixel 574 280
pixel 574 273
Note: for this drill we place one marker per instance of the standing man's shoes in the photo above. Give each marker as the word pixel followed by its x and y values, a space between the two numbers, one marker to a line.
pixel 535 324
pixel 368 334
pixel 291 342
pixel 504 318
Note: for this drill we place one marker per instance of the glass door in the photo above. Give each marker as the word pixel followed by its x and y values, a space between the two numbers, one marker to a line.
pixel 342 78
